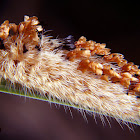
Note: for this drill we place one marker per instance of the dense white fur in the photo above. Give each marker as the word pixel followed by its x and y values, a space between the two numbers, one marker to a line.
pixel 52 74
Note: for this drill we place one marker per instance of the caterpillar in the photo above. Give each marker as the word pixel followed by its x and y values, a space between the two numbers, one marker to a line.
pixel 83 74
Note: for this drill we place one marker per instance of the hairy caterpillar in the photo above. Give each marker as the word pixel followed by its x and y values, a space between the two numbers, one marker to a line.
pixel 83 73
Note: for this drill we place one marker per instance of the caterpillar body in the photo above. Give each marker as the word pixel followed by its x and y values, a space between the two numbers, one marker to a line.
pixel 82 73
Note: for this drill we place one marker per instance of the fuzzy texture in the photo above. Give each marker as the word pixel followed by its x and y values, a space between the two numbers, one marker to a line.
pixel 46 70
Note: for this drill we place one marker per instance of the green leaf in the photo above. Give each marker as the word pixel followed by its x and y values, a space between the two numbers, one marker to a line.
pixel 6 87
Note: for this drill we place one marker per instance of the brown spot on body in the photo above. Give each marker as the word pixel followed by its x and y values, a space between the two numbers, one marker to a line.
pixel 127 75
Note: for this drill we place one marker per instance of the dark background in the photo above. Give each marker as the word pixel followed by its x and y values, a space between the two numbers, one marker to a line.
pixel 117 24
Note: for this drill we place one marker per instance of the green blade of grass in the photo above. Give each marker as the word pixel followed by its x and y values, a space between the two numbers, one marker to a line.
pixel 14 91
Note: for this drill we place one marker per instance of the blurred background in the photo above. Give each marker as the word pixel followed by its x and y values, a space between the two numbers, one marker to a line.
pixel 117 24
